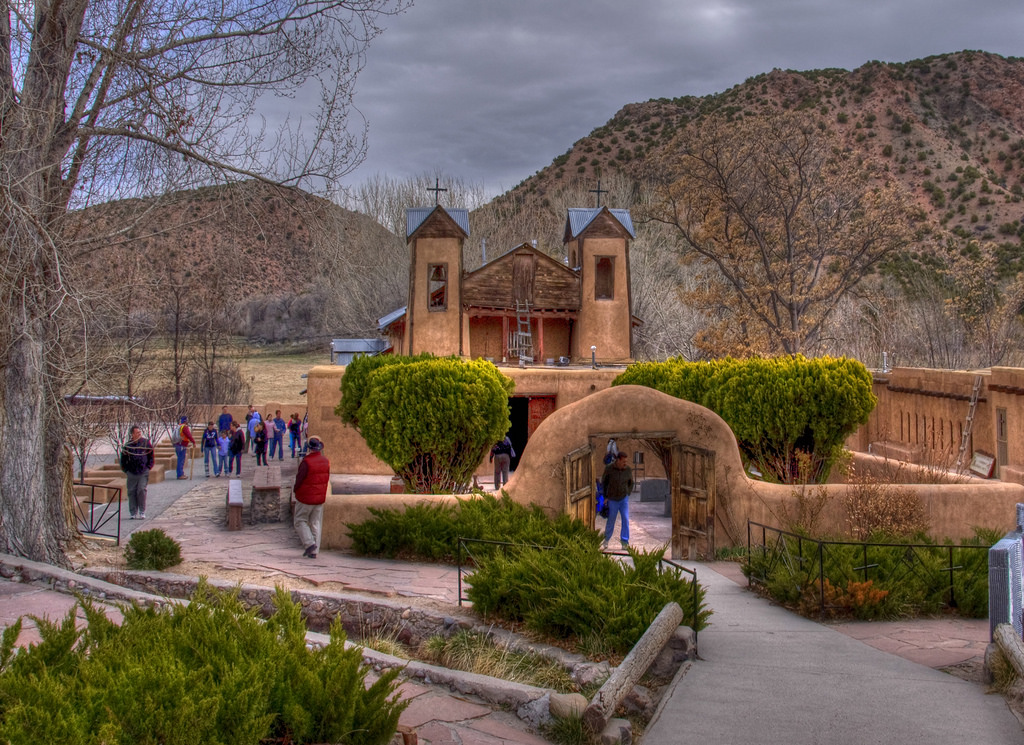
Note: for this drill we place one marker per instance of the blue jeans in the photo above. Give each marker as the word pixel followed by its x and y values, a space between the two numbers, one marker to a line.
pixel 180 451
pixel 277 443
pixel 222 464
pixel 293 440
pixel 617 507
pixel 235 458
pixel 210 456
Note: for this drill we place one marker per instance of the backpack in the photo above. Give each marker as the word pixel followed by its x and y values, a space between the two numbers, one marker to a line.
pixel 176 436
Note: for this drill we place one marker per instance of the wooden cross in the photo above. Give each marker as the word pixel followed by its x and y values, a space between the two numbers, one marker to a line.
pixel 599 191
pixel 436 188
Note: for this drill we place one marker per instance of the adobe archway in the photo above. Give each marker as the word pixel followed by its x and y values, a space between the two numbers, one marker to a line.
pixel 634 411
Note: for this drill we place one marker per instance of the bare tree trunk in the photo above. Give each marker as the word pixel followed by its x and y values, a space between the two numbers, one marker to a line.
pixel 33 463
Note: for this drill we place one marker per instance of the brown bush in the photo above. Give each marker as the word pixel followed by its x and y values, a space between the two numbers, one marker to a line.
pixel 874 506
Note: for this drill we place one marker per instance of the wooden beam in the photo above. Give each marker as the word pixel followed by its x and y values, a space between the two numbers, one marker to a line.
pixel 1011 646
pixel 604 703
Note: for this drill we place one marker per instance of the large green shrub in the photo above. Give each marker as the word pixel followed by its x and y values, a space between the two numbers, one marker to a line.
pixel 355 382
pixel 433 420
pixel 431 531
pixel 790 415
pixel 574 591
pixel 206 672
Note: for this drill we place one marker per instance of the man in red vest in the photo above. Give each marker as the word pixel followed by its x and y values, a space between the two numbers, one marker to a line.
pixel 311 482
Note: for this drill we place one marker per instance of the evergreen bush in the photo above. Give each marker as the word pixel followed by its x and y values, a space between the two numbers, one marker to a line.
pixel 152 549
pixel 431 419
pixel 205 672
pixel 574 591
pixel 431 531
pixel 790 415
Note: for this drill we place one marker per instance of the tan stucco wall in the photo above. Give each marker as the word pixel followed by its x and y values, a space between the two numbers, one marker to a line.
pixel 439 332
pixel 348 451
pixel 605 324
pixel 953 510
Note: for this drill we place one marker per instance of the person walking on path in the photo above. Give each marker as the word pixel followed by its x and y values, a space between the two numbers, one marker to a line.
pixel 502 455
pixel 311 482
pixel 210 450
pixel 181 447
pixel 295 433
pixel 278 426
pixel 136 462
pixel 259 439
pixel 251 420
pixel 224 420
pixel 236 448
pixel 617 485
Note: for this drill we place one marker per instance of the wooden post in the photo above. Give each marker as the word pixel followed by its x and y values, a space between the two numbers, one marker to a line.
pixel 1011 646
pixel 602 707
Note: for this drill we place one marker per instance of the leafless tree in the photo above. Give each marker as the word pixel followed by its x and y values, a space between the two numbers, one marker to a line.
pixel 106 98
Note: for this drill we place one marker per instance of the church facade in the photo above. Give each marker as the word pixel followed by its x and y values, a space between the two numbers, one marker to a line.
pixel 523 307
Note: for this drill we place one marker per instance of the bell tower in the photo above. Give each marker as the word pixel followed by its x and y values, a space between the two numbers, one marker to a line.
pixel 435 236
pixel 597 245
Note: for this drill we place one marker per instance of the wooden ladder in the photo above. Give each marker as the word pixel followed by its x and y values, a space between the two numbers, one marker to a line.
pixel 523 334
pixel 969 425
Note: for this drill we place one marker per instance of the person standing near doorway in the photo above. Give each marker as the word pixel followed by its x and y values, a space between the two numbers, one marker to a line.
pixel 617 485
pixel 311 482
pixel 502 455
pixel 136 462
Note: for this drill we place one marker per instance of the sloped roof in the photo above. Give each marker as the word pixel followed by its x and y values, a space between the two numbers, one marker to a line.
pixel 390 318
pixel 416 216
pixel 581 217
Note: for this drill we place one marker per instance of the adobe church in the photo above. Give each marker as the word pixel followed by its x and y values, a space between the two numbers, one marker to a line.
pixel 523 307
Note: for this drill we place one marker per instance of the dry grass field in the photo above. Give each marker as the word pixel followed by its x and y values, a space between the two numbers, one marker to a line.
pixel 278 377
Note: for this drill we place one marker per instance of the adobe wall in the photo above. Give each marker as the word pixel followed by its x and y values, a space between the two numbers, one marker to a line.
pixel 953 510
pixel 347 449
pixel 921 415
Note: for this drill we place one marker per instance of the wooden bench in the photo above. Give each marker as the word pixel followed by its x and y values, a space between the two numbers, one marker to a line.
pixel 266 495
pixel 234 504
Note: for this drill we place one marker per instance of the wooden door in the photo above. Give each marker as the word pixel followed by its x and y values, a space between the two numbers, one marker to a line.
pixel 579 485
pixel 693 502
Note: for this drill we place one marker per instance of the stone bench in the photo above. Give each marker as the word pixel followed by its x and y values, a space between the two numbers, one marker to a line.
pixel 234 504
pixel 266 495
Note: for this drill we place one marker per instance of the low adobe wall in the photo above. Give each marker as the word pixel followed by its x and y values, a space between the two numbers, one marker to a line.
pixel 953 510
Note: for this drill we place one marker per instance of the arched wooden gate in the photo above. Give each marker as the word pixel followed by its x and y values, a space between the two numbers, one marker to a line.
pixel 692 478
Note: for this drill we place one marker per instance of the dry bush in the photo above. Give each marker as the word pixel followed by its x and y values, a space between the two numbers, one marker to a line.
pixel 874 506
pixel 802 514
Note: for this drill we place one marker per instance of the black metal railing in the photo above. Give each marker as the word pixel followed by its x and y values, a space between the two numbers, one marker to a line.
pixel 813 563
pixel 464 567
pixel 100 518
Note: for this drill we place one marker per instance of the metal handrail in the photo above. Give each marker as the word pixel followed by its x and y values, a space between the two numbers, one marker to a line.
pixel 463 545
pixel 93 523
pixel 817 554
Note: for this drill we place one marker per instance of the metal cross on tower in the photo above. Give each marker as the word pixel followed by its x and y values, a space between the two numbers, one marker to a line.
pixel 599 191
pixel 436 188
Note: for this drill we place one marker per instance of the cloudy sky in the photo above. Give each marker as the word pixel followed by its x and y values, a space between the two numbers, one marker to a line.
pixel 490 91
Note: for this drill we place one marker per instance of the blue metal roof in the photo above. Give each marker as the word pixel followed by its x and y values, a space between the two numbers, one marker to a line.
pixel 390 318
pixel 358 345
pixel 416 216
pixel 581 217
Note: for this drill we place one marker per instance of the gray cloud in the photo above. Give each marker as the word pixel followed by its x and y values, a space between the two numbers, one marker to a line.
pixel 491 91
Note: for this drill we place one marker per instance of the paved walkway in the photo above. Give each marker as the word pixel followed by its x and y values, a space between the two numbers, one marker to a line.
pixel 769 676
pixel 766 675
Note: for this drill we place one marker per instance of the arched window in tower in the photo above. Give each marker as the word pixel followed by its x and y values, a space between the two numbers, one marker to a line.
pixel 437 287
pixel 604 278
